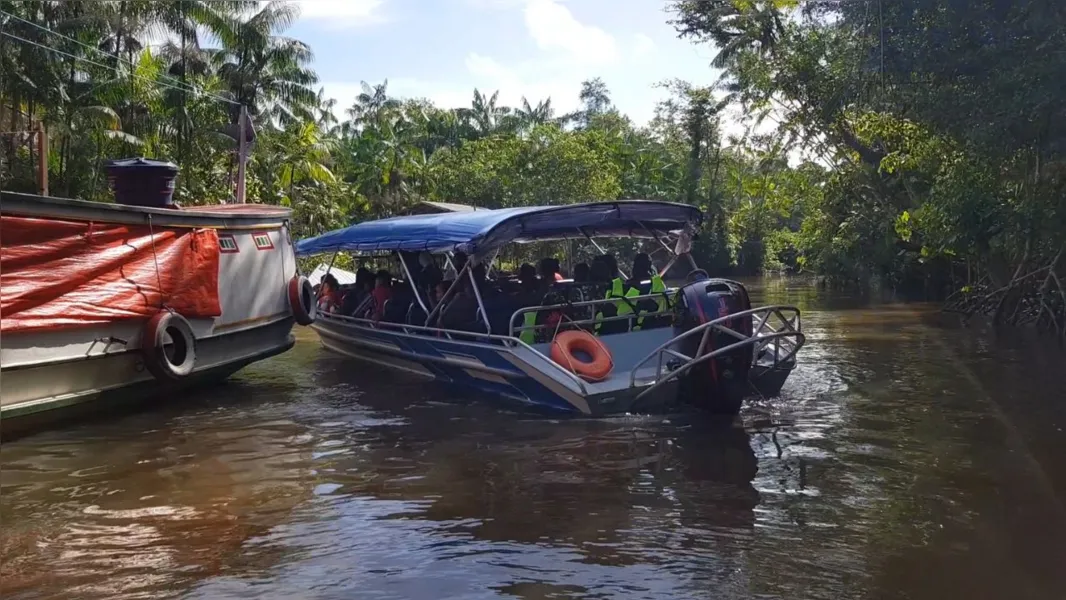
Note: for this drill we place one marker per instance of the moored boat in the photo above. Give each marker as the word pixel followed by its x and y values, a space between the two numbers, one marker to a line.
pixel 113 302
pixel 589 347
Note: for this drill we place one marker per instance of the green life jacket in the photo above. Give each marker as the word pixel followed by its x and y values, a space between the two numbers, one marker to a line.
pixel 622 306
pixel 528 335
pixel 658 288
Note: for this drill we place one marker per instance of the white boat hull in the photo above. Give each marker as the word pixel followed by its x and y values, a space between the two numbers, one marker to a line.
pixel 44 373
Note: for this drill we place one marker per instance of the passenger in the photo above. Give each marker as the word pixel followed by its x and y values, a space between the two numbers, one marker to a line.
pixel 619 292
pixel 582 273
pixel 461 312
pixel 527 276
pixel 430 274
pixel 643 269
pixel 603 269
pixel 329 294
pixel 360 291
pixel 549 271
pixel 382 293
pixel 437 294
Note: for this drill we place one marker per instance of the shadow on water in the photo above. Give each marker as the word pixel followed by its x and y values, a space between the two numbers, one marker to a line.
pixel 901 461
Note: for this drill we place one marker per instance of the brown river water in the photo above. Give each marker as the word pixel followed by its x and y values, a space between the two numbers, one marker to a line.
pixel 906 459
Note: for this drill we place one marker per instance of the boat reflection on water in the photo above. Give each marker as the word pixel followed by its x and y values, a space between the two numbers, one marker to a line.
pixel 443 497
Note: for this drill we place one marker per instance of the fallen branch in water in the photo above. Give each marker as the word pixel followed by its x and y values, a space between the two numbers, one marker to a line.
pixel 1027 299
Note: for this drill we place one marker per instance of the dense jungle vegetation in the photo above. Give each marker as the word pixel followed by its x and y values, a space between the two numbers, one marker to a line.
pixel 933 133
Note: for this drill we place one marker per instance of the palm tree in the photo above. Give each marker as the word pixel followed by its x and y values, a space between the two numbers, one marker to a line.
pixel 305 156
pixel 733 26
pixel 268 72
pixel 184 54
pixel 371 104
pixel 324 115
pixel 485 116
pixel 529 116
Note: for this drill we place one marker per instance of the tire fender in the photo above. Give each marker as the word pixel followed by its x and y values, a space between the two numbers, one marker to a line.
pixel 302 300
pixel 168 346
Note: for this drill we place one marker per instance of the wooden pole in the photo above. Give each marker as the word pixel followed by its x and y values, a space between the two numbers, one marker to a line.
pixel 242 154
pixel 42 159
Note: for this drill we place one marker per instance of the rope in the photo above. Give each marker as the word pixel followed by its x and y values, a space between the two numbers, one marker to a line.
pixel 155 259
pixel 292 244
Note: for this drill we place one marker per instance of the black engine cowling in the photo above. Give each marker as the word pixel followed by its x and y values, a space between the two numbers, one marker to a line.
pixel 719 384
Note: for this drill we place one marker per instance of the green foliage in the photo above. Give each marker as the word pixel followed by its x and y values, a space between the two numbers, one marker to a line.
pixel 942 138
pixel 381 155
pixel 549 166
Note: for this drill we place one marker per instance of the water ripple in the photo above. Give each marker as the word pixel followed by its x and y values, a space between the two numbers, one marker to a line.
pixel 883 471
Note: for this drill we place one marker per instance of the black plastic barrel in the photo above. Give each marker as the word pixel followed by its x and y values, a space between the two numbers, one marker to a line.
pixel 142 182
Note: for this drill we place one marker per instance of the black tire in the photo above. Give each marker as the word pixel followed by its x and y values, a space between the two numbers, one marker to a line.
pixel 168 346
pixel 302 300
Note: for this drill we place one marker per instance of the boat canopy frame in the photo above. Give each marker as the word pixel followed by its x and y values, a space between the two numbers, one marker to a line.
pixel 481 233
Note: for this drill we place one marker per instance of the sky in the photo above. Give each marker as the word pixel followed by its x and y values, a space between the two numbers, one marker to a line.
pixel 443 49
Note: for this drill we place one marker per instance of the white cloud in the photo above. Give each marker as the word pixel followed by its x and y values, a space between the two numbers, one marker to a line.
pixel 494 4
pixel 554 27
pixel 489 76
pixel 643 46
pixel 566 52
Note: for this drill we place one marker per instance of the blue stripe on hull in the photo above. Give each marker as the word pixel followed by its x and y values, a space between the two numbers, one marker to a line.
pixel 504 379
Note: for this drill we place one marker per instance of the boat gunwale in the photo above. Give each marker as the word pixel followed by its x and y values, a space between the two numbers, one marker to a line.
pixel 508 342
pixel 49 207
pixel 505 342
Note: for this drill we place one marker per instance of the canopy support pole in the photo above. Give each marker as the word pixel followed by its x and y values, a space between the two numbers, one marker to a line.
pixel 447 295
pixel 411 282
pixel 492 263
pixel 602 251
pixel 448 262
pixel 480 304
pixel 655 236
pixel 669 264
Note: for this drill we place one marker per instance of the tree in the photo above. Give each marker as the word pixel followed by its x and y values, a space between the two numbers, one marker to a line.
pixel 265 71
pixel 946 144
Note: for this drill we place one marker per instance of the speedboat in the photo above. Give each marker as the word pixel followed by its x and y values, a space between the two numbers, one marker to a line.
pixel 699 343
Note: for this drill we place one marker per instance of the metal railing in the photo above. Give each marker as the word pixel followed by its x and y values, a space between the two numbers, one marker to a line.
pixel 419 331
pixel 771 328
pixel 631 317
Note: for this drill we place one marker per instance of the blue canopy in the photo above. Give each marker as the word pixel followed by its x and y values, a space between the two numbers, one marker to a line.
pixel 483 231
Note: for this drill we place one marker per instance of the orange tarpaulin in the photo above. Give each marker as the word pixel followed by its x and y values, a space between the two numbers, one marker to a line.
pixel 58 274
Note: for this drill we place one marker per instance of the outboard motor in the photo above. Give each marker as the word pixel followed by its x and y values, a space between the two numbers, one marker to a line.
pixel 719 384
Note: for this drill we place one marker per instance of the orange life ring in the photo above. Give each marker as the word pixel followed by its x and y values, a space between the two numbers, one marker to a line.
pixel 567 342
